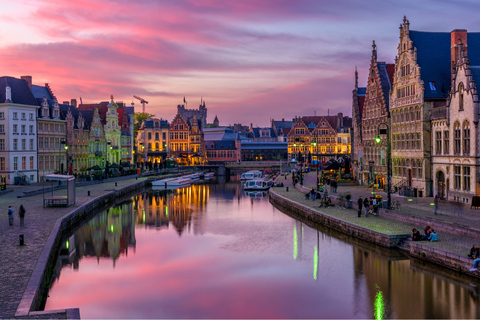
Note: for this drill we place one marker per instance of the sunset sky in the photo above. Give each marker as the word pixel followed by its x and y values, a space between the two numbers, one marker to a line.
pixel 250 60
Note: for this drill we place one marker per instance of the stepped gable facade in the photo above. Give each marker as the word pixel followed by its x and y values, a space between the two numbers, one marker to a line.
pixel 420 84
pixel 375 115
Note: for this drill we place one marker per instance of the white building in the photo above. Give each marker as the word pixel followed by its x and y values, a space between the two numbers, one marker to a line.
pixel 18 132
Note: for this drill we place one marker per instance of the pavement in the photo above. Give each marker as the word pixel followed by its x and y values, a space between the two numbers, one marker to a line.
pixel 454 213
pixel 18 262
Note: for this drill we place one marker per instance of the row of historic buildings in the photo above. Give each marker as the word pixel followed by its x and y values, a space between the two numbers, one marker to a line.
pixel 428 101
pixel 39 136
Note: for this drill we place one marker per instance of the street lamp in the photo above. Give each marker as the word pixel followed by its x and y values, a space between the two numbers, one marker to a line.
pixel 64 142
pixel 382 130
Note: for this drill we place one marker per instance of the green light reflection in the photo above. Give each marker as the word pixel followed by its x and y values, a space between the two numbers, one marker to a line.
pixel 315 263
pixel 295 243
pixel 379 305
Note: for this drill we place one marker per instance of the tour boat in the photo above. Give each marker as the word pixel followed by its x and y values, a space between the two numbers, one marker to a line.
pixel 253 174
pixel 256 184
pixel 256 194
pixel 208 175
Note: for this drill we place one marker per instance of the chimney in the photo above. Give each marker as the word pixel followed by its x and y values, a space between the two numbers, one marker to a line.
pixel 28 79
pixel 340 120
pixel 251 127
pixel 8 94
pixel 456 36
pixel 74 102
pixel 66 103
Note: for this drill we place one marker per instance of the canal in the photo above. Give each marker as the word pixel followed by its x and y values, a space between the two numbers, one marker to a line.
pixel 213 251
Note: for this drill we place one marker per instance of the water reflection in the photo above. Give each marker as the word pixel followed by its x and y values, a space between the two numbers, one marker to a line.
pixel 211 251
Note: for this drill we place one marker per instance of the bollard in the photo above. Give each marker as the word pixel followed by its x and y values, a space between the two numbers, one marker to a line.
pixel 287 189
pixel 89 193
pixel 21 240
pixel 115 184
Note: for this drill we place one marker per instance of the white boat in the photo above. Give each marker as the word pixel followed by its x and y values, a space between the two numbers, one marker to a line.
pixel 253 174
pixel 208 175
pixel 194 176
pixel 161 183
pixel 179 181
pixel 256 184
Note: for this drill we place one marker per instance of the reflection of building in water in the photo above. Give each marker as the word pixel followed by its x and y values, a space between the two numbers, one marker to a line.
pixel 159 208
pixel 109 234
pixel 431 297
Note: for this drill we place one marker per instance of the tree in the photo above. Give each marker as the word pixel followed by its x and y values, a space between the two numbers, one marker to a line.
pixel 138 118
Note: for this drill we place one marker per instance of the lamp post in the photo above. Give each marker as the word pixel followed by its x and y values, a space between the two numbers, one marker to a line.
pixel 315 144
pixel 107 144
pixel 383 128
pixel 64 142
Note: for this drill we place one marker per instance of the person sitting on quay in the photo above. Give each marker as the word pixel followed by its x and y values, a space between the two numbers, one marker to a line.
pixel 475 264
pixel 416 236
pixel 426 232
pixel 474 252
pixel 433 236
pixel 313 194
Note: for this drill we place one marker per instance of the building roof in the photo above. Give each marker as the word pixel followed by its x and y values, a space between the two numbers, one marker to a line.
pixel 433 58
pixel 264 145
pixel 220 145
pixel 256 133
pixel 21 93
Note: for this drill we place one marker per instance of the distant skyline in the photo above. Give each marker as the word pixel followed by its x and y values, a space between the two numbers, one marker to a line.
pixel 249 60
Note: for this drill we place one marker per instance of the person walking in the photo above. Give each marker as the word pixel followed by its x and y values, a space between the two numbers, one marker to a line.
pixel 10 215
pixel 21 214
pixel 435 202
pixel 366 204
pixel 360 204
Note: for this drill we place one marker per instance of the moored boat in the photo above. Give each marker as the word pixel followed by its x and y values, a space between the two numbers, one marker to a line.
pixel 256 184
pixel 253 174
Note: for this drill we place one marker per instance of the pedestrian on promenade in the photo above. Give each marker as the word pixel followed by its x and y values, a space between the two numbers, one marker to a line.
pixel 21 214
pixel 10 215
pixel 475 264
pixel 435 202
pixel 366 204
pixel 360 204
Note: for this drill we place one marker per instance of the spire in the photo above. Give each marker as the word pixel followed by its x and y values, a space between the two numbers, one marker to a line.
pixel 374 51
pixel 356 78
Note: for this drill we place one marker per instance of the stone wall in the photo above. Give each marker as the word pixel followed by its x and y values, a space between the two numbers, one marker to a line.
pixel 39 283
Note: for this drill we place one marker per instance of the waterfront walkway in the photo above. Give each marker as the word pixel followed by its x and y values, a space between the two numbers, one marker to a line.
pixel 18 262
pixel 455 214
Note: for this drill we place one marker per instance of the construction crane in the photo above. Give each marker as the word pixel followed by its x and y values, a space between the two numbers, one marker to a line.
pixel 142 101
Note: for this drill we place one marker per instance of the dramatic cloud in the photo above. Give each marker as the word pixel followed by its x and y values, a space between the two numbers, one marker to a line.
pixel 250 60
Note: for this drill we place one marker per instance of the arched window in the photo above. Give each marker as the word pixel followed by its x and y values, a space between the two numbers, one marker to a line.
pixel 456 138
pixel 466 138
pixel 460 97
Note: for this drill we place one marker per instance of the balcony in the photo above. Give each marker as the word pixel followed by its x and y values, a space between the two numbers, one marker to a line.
pixel 438 113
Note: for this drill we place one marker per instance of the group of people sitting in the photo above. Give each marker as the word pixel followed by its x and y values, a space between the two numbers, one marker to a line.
pixel 474 254
pixel 325 200
pixel 428 235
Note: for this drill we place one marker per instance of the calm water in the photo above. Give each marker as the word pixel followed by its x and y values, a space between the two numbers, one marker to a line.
pixel 211 251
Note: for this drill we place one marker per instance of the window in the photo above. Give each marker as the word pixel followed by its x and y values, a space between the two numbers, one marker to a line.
pixel 31 144
pixel 40 163
pixel 149 136
pixel 24 163
pixel 2 163
pixel 15 128
pixel 466 178
pixel 23 128
pixel 157 146
pixel 15 115
pixel 15 163
pixel 2 144
pixel 40 143
pixel 446 142
pixel 456 138
pixel 438 149
pixel 164 135
pixel 24 116
pixel 457 177
pixel 2 115
pixel 30 129
pixel 30 115
pixel 24 144
pixel 2 128
pixel 156 135
pixel 15 144
pixel 466 138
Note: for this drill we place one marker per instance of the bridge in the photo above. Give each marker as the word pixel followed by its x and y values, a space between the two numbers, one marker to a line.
pixel 226 167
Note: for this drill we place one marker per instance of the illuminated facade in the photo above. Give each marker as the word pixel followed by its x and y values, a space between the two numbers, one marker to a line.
pixel 153 140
